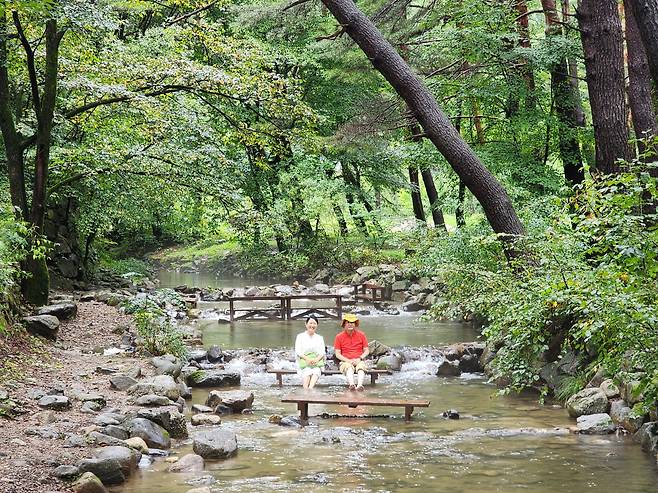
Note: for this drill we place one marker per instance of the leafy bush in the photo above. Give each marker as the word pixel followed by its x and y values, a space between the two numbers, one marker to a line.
pixel 589 286
pixel 160 336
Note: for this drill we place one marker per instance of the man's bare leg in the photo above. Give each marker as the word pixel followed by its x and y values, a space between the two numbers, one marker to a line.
pixel 360 377
pixel 349 374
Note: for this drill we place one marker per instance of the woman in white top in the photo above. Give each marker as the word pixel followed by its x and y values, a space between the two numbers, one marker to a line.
pixel 310 350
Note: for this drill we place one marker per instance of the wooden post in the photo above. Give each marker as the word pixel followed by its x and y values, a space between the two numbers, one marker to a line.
pixel 373 378
pixel 407 413
pixel 303 411
pixel 339 306
pixel 231 312
pixel 279 378
pixel 283 309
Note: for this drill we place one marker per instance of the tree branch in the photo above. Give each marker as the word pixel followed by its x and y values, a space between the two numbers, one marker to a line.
pixel 190 14
pixel 31 69
pixel 294 4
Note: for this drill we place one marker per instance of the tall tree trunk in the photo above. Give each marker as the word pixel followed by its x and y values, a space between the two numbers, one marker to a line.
pixel 602 41
pixel 579 113
pixel 646 16
pixel 523 29
pixel 435 206
pixel 416 200
pixel 342 224
pixel 459 212
pixel 566 102
pixel 489 192
pixel 639 83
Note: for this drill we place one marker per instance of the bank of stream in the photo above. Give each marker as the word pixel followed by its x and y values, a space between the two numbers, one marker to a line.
pixel 499 443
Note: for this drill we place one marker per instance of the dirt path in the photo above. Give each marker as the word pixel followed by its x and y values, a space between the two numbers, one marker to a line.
pixel 34 443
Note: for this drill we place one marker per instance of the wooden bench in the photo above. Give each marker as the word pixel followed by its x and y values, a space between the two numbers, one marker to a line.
pixel 350 399
pixel 374 374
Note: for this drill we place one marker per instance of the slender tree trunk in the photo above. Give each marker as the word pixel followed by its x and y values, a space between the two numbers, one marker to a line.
pixel 459 212
pixel 566 102
pixel 435 206
pixel 602 41
pixel 342 224
pixel 477 121
pixel 639 83
pixel 416 200
pixel 491 195
pixel 354 212
pixel 523 29
pixel 579 113
pixel 646 16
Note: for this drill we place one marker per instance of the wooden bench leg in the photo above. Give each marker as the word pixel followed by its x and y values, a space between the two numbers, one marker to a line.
pixel 373 378
pixel 303 411
pixel 407 413
pixel 279 378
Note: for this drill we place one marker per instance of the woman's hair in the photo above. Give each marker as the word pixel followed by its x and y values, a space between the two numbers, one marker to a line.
pixel 312 316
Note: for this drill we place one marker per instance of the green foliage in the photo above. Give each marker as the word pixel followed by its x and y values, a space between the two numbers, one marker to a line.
pixel 160 336
pixel 589 285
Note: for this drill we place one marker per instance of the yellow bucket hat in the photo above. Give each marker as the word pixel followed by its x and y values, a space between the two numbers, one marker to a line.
pixel 349 317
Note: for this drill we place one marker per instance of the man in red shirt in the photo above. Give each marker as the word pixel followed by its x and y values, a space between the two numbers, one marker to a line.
pixel 351 348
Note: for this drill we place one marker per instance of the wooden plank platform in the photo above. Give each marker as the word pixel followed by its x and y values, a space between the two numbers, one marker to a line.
pixel 350 399
pixel 285 309
pixel 374 374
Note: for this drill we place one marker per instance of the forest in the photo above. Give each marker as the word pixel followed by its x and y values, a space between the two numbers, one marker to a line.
pixel 506 149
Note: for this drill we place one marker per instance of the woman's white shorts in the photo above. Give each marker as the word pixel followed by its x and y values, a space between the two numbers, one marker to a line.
pixel 307 372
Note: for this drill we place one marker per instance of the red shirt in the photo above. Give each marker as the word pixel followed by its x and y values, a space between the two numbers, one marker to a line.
pixel 351 346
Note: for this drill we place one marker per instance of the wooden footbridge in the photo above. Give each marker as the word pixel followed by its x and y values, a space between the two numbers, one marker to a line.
pixel 287 307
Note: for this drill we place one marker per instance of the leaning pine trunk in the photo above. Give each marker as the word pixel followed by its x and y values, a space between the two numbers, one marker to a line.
pixel 646 16
pixel 489 192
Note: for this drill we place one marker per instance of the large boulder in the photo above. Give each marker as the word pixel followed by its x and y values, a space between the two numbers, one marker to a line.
pixel 164 385
pixel 595 424
pixel 587 401
pixel 42 325
pixel 167 365
pixel 63 311
pixel 127 458
pixel 390 362
pixel 237 400
pixel 470 363
pixel 213 378
pixel 647 436
pixel 412 305
pixel 609 389
pixel 89 483
pixel 378 349
pixel 168 417
pixel 109 471
pixel 153 434
pixel 448 369
pixel 623 416
pixel 188 463
pixel 215 444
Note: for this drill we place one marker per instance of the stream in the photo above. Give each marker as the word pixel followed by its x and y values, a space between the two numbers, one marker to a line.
pixel 499 444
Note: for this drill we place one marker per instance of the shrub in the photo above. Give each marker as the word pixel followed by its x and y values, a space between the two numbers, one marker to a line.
pixel 160 336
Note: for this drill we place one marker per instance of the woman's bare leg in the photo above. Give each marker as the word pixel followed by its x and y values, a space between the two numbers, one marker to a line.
pixel 312 381
pixel 306 381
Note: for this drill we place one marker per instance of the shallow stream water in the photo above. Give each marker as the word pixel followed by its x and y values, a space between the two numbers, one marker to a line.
pixel 499 444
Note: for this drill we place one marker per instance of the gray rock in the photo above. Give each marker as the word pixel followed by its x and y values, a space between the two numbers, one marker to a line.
pixel 647 436
pixel 213 378
pixel 215 444
pixel 89 483
pixel 470 363
pixel 609 389
pixel 448 369
pixel 153 434
pixel 152 400
pixel 623 416
pixel 117 432
pixel 378 349
pixel 197 354
pixel 206 420
pixel 163 385
pixel 214 353
pixel 98 438
pixel 109 471
pixel 66 472
pixel 587 401
pixel 63 311
pixel 321 288
pixel 90 407
pixel 400 285
pixel 390 362
pixel 185 392
pixel 252 291
pixel 127 457
pixel 164 366
pixel 122 382
pixel 42 325
pixel 595 424
pixel 237 400
pixel 188 463
pixel 168 417
pixel 54 402
pixel 200 408
pixel 411 305
pixel 106 419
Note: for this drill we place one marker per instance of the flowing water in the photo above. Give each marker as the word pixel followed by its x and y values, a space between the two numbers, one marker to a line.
pixel 499 444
